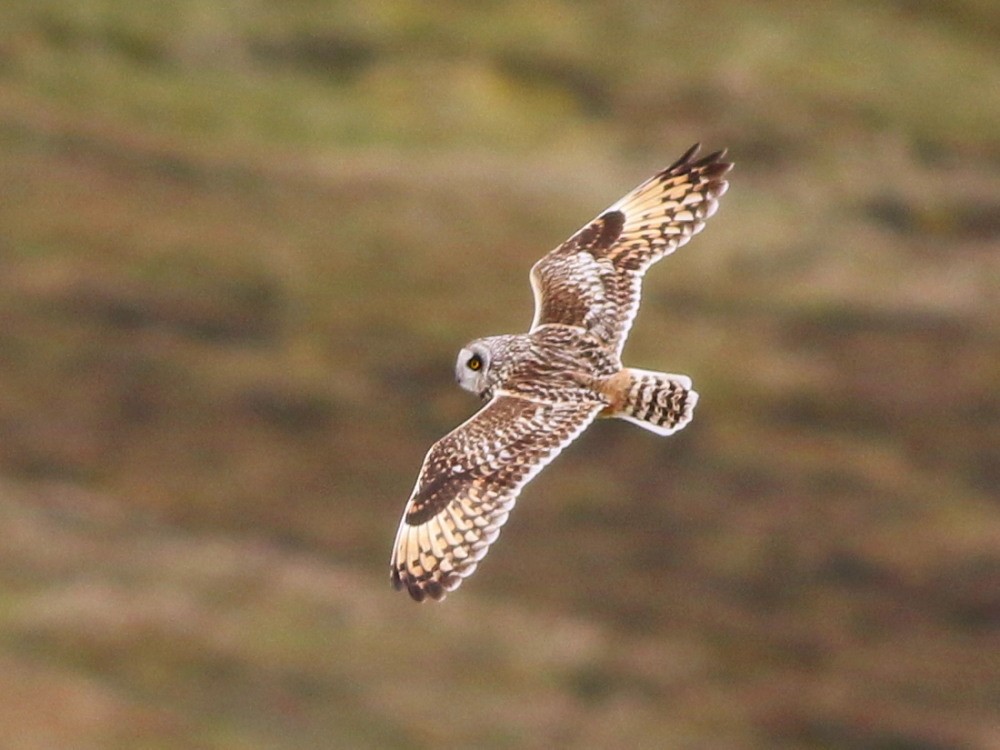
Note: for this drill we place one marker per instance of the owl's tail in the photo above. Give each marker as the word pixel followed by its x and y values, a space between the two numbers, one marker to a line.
pixel 656 401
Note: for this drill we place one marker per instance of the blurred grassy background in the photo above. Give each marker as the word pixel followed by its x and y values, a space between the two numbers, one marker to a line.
pixel 240 244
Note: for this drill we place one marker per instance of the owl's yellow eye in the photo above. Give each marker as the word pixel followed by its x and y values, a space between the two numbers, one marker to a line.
pixel 475 362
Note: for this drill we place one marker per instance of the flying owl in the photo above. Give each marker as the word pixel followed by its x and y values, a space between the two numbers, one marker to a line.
pixel 544 387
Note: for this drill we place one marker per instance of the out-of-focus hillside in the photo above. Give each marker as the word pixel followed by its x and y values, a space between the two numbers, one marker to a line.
pixel 240 245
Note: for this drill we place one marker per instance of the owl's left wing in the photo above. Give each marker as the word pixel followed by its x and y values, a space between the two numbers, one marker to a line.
pixel 469 483
pixel 593 280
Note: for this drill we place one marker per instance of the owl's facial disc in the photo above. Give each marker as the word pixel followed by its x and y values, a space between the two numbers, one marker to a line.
pixel 471 368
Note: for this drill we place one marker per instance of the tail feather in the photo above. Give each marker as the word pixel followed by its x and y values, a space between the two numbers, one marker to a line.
pixel 657 401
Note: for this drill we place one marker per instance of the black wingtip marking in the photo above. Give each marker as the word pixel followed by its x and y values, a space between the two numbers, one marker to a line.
pixel 434 590
pixel 711 165
pixel 685 159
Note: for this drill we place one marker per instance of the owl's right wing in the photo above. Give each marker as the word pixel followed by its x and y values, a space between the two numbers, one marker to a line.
pixel 469 483
pixel 594 279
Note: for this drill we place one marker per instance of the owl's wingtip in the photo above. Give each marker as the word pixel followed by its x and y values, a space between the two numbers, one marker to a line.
pixel 685 158
pixel 712 165
pixel 422 590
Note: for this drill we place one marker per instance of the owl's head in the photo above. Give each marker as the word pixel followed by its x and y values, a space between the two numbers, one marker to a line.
pixel 472 370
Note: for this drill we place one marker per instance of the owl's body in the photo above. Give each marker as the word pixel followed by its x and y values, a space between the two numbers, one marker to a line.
pixel 544 387
pixel 553 362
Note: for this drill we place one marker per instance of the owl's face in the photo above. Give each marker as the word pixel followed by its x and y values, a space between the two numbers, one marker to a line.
pixel 472 370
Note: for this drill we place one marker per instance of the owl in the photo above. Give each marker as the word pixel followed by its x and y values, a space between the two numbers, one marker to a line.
pixel 543 388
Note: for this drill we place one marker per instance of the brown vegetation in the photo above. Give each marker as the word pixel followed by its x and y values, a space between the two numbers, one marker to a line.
pixel 238 251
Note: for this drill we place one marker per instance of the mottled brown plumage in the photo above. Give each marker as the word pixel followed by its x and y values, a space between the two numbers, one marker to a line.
pixel 543 388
